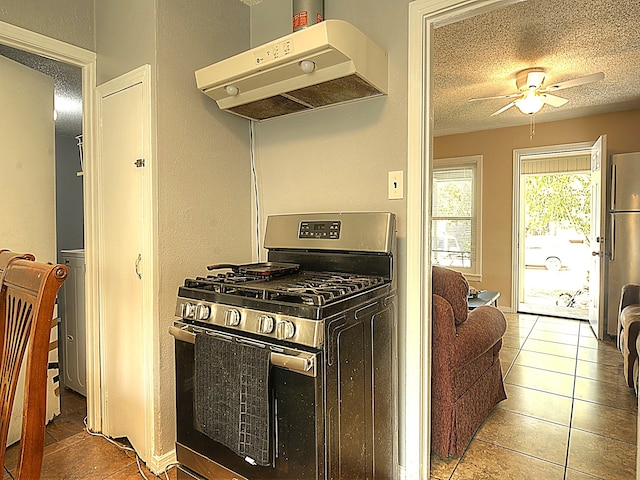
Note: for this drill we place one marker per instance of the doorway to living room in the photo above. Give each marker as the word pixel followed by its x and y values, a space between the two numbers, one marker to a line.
pixel 554 216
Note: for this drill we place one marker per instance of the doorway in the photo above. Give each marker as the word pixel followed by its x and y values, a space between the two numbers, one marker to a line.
pixel 553 231
pixel 424 17
pixel 66 54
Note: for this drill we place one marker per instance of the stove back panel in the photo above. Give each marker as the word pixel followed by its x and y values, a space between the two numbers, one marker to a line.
pixel 378 265
pixel 372 232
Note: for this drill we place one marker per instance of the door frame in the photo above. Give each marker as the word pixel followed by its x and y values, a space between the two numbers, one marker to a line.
pixel 424 16
pixel 38 44
pixel 516 241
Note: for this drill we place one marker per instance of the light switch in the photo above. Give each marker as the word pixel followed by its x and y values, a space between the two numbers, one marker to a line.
pixel 396 185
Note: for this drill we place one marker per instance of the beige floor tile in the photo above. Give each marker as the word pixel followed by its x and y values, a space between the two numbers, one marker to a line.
pixel 538 379
pixel 605 421
pixel 528 435
pixel 512 341
pixel 542 405
pixel 603 355
pixel 522 319
pixel 555 337
pixel 517 331
pixel 587 341
pixel 575 475
pixel 602 373
pixel 505 368
pixel 607 344
pixel 442 468
pixel 605 394
pixel 484 461
pixel 545 361
pixel 586 330
pixel 601 456
pixel 571 327
pixel 551 348
pixel 507 354
pixel 519 328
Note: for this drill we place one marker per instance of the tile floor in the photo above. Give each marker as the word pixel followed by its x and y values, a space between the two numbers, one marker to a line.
pixel 569 414
pixel 71 453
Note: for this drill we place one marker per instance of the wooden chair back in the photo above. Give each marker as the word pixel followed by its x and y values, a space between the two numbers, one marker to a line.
pixel 7 256
pixel 27 298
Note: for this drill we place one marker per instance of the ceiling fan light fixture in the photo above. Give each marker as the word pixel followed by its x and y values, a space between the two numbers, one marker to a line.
pixel 530 102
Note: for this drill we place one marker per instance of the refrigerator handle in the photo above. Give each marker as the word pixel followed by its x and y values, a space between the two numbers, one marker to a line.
pixel 612 254
pixel 614 197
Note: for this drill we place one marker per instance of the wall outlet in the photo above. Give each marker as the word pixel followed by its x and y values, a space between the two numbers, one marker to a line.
pixel 396 185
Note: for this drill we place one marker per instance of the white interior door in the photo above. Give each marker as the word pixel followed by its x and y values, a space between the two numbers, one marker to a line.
pixel 597 280
pixel 27 184
pixel 123 150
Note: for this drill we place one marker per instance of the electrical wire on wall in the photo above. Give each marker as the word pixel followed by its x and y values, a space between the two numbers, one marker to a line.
pixel 255 185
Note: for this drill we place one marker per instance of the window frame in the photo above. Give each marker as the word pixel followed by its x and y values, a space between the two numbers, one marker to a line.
pixel 473 162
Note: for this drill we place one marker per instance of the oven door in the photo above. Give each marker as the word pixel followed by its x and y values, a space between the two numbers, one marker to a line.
pixel 296 444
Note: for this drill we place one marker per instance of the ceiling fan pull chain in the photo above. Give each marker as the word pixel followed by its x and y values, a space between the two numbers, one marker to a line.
pixel 532 128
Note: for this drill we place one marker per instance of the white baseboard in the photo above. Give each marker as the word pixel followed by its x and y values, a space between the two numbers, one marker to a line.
pixel 159 464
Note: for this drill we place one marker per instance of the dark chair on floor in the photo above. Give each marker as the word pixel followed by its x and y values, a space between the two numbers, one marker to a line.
pixel 27 297
pixel 466 376
pixel 628 329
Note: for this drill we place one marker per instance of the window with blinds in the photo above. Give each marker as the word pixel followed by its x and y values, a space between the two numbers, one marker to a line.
pixel 456 207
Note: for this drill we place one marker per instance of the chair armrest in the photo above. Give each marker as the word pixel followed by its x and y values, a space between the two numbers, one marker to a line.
pixel 443 322
pixel 630 295
pixel 443 336
pixel 482 330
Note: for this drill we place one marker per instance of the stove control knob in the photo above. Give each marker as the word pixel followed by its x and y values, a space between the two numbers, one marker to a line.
pixel 188 310
pixel 232 318
pixel 286 330
pixel 203 312
pixel 265 324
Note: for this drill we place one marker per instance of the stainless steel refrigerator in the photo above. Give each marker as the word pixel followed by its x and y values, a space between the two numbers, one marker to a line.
pixel 623 264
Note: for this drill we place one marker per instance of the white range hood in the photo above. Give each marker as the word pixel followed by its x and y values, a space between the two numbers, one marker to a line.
pixel 269 81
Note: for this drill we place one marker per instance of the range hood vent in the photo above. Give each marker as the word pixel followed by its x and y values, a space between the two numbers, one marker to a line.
pixel 268 81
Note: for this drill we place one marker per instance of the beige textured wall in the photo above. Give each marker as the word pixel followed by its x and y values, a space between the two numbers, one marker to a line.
pixel 204 183
pixel 70 21
pixel 338 159
pixel 125 37
pixel 497 147
pixel 202 156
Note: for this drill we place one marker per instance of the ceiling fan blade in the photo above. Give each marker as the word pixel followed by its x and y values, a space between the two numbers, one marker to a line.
pixel 506 107
pixel 553 100
pixel 513 95
pixel 594 77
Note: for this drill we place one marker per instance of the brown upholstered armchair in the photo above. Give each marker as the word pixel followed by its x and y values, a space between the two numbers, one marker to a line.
pixel 466 377
pixel 628 329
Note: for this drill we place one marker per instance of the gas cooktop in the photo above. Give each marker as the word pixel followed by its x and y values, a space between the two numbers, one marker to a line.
pixel 307 288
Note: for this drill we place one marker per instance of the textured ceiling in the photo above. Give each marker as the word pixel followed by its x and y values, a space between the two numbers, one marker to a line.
pixel 479 57
pixel 67 81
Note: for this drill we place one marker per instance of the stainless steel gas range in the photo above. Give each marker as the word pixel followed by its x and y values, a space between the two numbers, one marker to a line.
pixel 287 369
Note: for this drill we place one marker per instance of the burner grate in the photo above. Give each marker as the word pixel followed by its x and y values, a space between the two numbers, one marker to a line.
pixel 308 288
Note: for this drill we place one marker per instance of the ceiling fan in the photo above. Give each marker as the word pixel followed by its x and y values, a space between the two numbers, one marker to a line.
pixel 532 96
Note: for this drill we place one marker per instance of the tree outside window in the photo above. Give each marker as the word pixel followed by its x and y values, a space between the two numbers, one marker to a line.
pixel 455 217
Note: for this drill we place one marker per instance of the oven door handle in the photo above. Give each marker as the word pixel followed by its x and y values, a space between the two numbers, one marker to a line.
pixel 302 363
pixel 182 334
pixel 298 362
